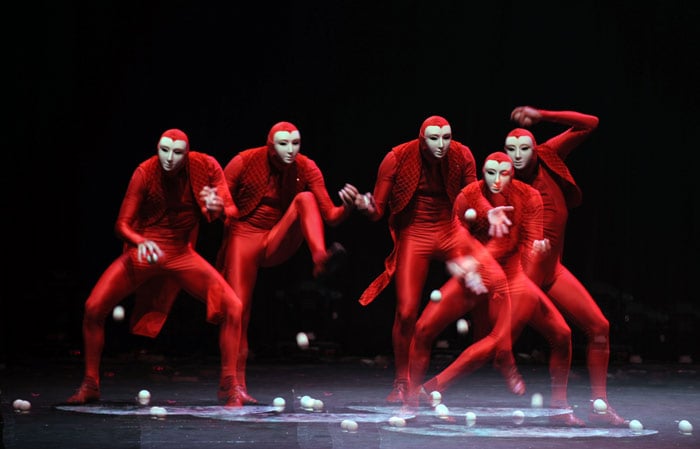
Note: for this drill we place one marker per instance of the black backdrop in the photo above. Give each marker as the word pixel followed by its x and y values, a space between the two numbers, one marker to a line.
pixel 93 86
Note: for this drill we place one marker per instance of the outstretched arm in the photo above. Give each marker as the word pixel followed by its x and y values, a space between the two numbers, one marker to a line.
pixel 580 126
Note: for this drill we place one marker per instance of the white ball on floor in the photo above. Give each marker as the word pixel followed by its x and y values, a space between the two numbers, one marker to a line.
pixel 600 406
pixel 462 326
pixel 16 404
pixel 396 421
pixel 442 411
pixel 302 340
pixel 118 313
pixel 470 418
pixel 144 397
pixel 685 427
pixel 349 425
pixel 636 426
pixel 307 402
pixel 537 401
pixel 470 214
pixel 158 412
pixel 317 405
pixel 435 295
pixel 279 402
pixel 518 417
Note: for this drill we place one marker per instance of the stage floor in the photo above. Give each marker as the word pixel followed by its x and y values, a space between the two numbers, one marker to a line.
pixel 350 389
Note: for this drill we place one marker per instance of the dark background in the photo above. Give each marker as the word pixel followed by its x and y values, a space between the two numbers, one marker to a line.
pixel 92 87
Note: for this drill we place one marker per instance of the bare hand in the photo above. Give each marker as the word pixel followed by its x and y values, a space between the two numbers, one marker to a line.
pixel 365 203
pixel 348 195
pixel 525 115
pixel 540 247
pixel 212 201
pixel 499 222
pixel 150 251
pixel 467 268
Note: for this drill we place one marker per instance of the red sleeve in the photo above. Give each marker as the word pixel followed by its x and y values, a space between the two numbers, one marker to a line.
pixel 533 219
pixel 581 126
pixel 332 214
pixel 218 180
pixel 470 169
pixel 232 173
pixel 131 204
pixel 386 177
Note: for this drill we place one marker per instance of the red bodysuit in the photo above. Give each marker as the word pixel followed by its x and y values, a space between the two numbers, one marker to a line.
pixel 419 190
pixel 549 174
pixel 164 208
pixel 513 251
pixel 280 205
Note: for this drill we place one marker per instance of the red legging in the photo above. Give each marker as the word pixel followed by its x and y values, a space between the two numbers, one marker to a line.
pixel 456 302
pixel 574 301
pixel 192 272
pixel 417 246
pixel 250 248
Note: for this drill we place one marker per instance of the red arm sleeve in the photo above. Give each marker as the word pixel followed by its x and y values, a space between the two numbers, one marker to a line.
pixel 386 176
pixel 332 214
pixel 581 126
pixel 218 180
pixel 232 173
pixel 131 203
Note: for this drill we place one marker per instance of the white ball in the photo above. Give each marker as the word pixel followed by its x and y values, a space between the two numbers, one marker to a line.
pixel 118 313
pixel 158 412
pixel 636 426
pixel 470 418
pixel 435 295
pixel 435 397
pixel 470 214
pixel 279 402
pixel 144 397
pixel 600 406
pixel 24 406
pixel 317 405
pixel 537 401
pixel 16 404
pixel 307 402
pixel 518 417
pixel 396 421
pixel 685 427
pixel 349 425
pixel 462 326
pixel 302 340
pixel 442 411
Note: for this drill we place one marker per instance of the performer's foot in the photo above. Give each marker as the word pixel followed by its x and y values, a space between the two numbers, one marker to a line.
pixel 242 392
pixel 398 393
pixel 566 420
pixel 514 380
pixel 335 255
pixel 412 399
pixel 607 418
pixel 89 391
pixel 228 393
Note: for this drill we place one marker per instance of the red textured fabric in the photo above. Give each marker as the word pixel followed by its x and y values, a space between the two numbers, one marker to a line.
pixel 154 298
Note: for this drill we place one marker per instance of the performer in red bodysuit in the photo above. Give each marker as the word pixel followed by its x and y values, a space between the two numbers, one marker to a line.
pixel 417 182
pixel 543 167
pixel 523 245
pixel 158 221
pixel 282 200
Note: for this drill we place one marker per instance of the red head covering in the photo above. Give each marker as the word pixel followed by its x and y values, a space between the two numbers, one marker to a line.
pixel 499 157
pixel 176 134
pixel 280 126
pixel 520 132
pixel 434 120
